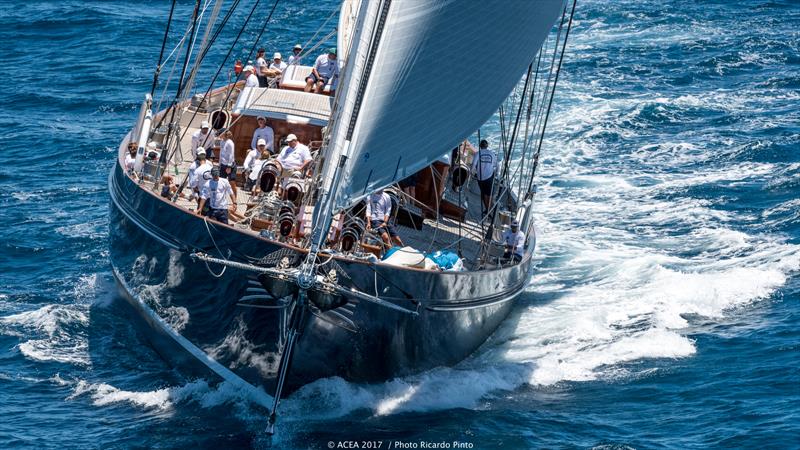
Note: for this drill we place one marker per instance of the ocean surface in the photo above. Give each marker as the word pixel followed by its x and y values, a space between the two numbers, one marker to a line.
pixel 664 311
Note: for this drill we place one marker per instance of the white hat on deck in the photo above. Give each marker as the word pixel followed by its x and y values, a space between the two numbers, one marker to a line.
pixel 261 118
pixel 298 46
pixel 276 56
pixel 152 145
pixel 248 68
pixel 261 142
pixel 291 138
pixel 204 124
pixel 201 151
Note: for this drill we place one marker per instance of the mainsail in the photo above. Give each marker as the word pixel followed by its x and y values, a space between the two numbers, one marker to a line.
pixel 440 69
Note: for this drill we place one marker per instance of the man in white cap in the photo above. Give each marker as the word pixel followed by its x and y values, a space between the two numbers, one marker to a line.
pixel 196 171
pixel 295 57
pixel 216 192
pixel 325 69
pixel 514 242
pixel 252 164
pixel 379 211
pixel 295 156
pixel 264 132
pixel 204 137
pixel 275 71
pixel 250 79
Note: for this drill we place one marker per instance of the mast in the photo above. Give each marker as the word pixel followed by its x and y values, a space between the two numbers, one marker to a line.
pixel 364 45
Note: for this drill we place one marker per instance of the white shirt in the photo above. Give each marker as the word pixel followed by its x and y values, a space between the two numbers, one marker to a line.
pixel 217 193
pixel 379 205
pixel 266 134
pixel 293 158
pixel 280 66
pixel 256 170
pixel 250 159
pixel 326 68
pixel 226 153
pixel 296 60
pixel 260 62
pixel 196 172
pixel 202 140
pixel 484 164
pixel 252 81
pixel 514 240
pixel 129 162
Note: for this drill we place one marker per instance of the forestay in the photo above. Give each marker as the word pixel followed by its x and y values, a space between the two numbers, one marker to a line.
pixel 441 69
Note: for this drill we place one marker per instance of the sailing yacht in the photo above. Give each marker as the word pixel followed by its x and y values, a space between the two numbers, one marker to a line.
pixel 296 286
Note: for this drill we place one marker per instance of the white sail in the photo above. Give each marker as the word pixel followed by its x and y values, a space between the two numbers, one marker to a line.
pixel 441 69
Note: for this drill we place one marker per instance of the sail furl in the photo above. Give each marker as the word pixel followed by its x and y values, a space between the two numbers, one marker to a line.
pixel 441 69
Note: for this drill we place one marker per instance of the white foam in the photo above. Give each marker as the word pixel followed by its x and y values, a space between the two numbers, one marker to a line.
pixel 165 399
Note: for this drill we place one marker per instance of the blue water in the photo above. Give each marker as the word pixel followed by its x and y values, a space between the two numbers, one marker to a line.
pixel 664 311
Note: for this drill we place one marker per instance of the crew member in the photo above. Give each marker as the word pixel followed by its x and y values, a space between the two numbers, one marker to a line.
pixel 250 78
pixel 484 165
pixel 216 192
pixel 204 137
pixel 514 241
pixel 325 69
pixel 227 162
pixel 264 132
pixel 253 155
pixel 255 172
pixel 260 66
pixel 275 71
pixel 379 208
pixel 197 170
pixel 295 57
pixel 295 156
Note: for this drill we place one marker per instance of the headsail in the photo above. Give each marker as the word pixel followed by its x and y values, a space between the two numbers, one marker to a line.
pixel 441 69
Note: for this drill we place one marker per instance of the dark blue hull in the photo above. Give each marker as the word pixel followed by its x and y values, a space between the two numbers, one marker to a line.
pixel 195 319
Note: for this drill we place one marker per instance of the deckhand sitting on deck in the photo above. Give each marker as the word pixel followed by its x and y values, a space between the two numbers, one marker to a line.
pixel 275 70
pixel 196 171
pixel 264 132
pixel 379 208
pixel 295 156
pixel 216 192
pixel 326 68
pixel 204 137
pixel 514 241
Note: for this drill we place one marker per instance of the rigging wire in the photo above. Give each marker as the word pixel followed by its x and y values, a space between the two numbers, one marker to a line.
pixel 163 47
pixel 550 105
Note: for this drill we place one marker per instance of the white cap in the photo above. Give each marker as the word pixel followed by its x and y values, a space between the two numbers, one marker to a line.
pixel 261 118
pixel 291 138
pixel 204 124
pixel 201 151
pixel 261 142
pixel 298 46
pixel 248 67
pixel 276 56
